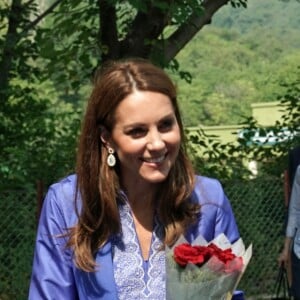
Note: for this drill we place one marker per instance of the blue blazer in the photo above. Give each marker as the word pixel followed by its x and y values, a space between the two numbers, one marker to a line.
pixel 54 275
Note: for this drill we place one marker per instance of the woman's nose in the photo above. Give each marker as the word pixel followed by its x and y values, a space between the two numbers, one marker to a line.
pixel 155 140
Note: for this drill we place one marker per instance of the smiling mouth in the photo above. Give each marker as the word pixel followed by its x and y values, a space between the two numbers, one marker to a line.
pixel 155 160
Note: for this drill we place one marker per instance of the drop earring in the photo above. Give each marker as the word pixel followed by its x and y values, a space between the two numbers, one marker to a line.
pixel 111 160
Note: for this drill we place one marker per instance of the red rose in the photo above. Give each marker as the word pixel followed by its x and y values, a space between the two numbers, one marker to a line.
pixel 223 255
pixel 198 255
pixel 234 265
pixel 186 253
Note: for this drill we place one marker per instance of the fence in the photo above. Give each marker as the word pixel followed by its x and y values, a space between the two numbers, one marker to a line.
pixel 258 206
pixel 260 212
pixel 18 227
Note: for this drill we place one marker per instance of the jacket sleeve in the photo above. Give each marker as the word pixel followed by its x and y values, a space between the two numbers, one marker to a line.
pixel 294 206
pixel 52 272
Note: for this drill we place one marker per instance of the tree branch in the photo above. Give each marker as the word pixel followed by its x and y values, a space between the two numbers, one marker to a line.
pixel 172 46
pixel 42 16
pixel 29 2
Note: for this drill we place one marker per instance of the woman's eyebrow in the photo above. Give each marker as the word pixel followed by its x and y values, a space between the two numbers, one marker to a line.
pixel 141 124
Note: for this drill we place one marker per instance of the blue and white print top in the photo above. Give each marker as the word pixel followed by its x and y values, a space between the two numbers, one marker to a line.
pixel 144 279
pixel 121 274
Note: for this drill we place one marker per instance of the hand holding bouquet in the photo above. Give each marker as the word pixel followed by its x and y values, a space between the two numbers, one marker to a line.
pixel 205 270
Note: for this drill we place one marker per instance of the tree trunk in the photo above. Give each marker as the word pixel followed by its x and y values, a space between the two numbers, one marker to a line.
pixel 10 43
pixel 145 36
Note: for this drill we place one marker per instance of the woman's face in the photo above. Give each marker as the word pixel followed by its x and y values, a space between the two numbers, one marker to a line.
pixel 146 137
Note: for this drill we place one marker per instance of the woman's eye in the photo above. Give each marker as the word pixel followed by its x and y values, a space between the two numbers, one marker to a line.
pixel 166 125
pixel 137 132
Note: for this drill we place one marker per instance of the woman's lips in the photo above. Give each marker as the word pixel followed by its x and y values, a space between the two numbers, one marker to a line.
pixel 155 160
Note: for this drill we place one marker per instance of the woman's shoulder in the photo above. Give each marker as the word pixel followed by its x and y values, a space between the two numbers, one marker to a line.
pixel 208 190
pixel 216 215
pixel 66 185
pixel 60 198
pixel 208 185
pixel 207 181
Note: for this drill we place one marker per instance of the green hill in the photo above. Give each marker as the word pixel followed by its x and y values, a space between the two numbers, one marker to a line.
pixel 241 58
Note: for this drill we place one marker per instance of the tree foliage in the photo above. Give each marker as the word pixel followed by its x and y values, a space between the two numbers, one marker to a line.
pixel 82 34
pixel 47 57
pixel 230 160
pixel 36 129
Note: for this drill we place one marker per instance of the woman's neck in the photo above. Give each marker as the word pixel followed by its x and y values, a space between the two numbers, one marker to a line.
pixel 141 196
pixel 142 204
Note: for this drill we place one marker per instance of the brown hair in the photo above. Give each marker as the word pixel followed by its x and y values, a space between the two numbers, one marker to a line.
pixel 98 184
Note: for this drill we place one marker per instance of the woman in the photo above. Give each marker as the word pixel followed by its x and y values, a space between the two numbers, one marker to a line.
pixel 102 231
pixel 292 237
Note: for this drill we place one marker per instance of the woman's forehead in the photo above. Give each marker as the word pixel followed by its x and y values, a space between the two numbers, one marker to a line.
pixel 140 106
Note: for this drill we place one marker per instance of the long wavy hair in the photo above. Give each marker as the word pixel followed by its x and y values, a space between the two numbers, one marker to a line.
pixel 98 185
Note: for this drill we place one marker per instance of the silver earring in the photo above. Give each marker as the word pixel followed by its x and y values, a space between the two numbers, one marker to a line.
pixel 111 160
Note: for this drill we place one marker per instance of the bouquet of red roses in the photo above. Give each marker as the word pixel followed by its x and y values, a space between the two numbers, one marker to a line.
pixel 208 271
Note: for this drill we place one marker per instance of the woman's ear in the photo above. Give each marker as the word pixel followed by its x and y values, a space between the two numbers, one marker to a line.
pixel 105 136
